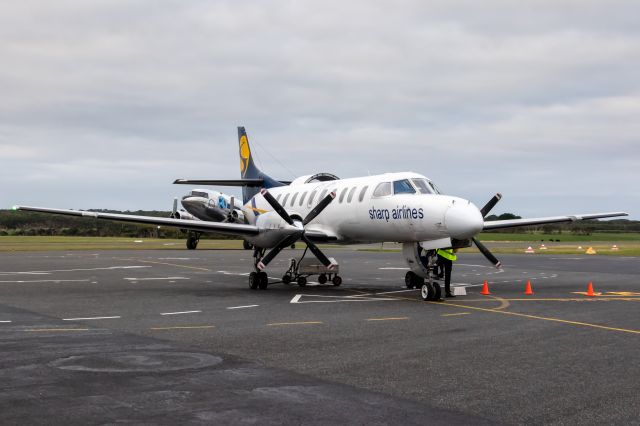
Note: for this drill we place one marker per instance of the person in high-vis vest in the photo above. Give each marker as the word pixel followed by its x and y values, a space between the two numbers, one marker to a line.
pixel 446 257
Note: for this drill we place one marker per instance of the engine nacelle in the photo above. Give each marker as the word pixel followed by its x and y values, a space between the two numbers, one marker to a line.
pixel 270 220
pixel 237 216
pixel 417 259
pixel 181 214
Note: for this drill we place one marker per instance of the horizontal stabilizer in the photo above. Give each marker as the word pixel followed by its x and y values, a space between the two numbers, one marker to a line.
pixel 512 223
pixel 225 182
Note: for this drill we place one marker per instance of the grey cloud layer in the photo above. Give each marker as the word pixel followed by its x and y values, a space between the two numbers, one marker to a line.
pixel 537 100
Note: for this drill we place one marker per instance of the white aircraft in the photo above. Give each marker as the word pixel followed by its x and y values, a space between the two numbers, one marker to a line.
pixel 401 207
pixel 208 205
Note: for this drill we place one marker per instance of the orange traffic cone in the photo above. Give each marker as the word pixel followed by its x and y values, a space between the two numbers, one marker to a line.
pixel 528 291
pixel 590 290
pixel 485 288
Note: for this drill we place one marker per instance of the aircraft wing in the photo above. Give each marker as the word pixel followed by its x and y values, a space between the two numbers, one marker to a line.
pixel 193 225
pixel 225 182
pixel 512 223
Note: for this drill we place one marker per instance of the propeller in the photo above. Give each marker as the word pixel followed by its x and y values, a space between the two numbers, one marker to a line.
pixel 483 249
pixel 290 239
pixel 175 208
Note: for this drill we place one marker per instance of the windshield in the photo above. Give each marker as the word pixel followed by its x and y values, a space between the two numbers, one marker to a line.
pixel 403 187
pixel 423 186
pixel 199 194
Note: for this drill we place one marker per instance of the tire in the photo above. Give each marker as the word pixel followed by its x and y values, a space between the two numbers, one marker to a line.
pixel 254 280
pixel 302 281
pixel 293 246
pixel 408 279
pixel 427 292
pixel 286 279
pixel 246 245
pixel 191 244
pixel 437 291
pixel 337 280
pixel 263 280
pixel 322 278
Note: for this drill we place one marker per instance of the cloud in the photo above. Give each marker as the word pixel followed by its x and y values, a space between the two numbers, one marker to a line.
pixel 538 100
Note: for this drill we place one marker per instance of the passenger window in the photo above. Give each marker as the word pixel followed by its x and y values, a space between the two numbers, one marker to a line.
pixel 293 200
pixel 382 190
pixel 361 196
pixel 304 194
pixel 403 187
pixel 284 201
pixel 310 200
pixel 278 197
pixel 322 194
pixel 350 197
pixel 344 191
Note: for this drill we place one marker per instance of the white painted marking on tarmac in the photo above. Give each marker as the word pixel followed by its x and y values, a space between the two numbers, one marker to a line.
pixel 5 322
pixel 242 307
pixel 43 281
pixel 338 299
pixel 89 318
pixel 393 267
pixel 156 279
pixel 176 258
pixel 72 270
pixel 180 313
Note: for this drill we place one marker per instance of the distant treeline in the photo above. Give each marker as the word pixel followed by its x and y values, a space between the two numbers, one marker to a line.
pixel 30 223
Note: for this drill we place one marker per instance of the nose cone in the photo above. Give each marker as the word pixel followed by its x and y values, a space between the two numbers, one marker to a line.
pixel 463 219
pixel 190 202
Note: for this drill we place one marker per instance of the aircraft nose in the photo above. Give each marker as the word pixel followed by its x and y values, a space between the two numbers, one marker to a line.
pixel 189 202
pixel 463 219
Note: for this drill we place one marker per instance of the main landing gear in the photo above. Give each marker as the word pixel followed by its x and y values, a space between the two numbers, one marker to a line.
pixel 192 240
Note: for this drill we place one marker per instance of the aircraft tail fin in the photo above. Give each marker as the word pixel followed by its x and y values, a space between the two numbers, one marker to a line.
pixel 248 169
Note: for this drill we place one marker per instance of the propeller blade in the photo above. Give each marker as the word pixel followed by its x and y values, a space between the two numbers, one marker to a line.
pixel 318 209
pixel 492 202
pixel 276 206
pixel 485 251
pixel 175 207
pixel 286 242
pixel 316 252
pixel 232 204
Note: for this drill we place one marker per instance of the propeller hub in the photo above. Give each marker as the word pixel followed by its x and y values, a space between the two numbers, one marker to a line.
pixel 463 219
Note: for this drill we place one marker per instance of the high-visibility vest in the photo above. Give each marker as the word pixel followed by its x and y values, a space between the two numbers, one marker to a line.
pixel 447 254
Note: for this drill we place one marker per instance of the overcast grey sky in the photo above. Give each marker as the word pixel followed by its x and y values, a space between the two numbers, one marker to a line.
pixel 105 103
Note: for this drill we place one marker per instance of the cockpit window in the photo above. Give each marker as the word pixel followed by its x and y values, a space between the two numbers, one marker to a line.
pixel 434 187
pixel 423 186
pixel 403 187
pixel 382 190
pixel 199 194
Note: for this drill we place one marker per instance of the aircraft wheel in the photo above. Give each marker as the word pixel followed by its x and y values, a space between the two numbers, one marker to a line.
pixel 263 280
pixel 302 281
pixel 254 280
pixel 427 292
pixel 409 280
pixel 293 246
pixel 286 279
pixel 437 291
pixel 246 245
pixel 322 278
pixel 337 280
pixel 191 243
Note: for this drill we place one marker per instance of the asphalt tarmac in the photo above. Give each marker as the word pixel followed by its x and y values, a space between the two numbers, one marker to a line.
pixel 167 337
